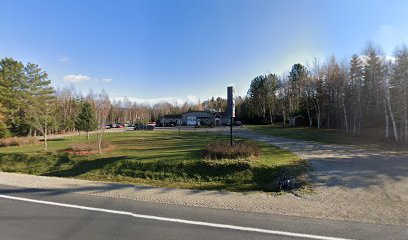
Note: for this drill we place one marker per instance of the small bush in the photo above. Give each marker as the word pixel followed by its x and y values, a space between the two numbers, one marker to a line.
pixel 223 150
pixel 89 146
pixel 17 141
pixel 4 132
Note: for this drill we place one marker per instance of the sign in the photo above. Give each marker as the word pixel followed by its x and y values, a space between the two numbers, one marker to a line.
pixel 231 108
pixel 231 101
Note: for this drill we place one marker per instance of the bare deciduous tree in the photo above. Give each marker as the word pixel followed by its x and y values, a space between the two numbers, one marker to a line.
pixel 102 107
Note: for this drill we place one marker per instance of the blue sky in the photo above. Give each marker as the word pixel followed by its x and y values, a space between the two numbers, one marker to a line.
pixel 188 49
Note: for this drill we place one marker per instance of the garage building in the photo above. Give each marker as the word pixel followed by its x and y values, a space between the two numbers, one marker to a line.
pixel 196 118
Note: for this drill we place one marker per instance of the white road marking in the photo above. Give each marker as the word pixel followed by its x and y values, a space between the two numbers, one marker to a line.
pixel 207 224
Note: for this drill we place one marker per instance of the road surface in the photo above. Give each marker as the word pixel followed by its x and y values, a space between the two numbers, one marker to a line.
pixel 49 214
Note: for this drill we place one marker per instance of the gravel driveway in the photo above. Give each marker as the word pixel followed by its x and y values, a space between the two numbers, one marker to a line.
pixel 350 184
pixel 356 183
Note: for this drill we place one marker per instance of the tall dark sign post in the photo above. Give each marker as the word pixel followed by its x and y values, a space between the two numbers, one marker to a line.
pixel 231 108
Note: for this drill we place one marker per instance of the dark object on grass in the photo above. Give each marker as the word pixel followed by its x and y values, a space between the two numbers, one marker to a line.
pixel 288 184
pixel 239 150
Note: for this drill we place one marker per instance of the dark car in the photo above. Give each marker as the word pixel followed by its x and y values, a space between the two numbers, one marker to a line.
pixel 237 123
pixel 144 127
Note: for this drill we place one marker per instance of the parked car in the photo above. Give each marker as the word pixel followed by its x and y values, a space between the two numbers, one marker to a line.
pixel 237 123
pixel 108 126
pixel 153 124
pixel 144 127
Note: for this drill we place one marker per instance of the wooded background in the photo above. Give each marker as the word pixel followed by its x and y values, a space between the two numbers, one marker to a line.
pixel 369 90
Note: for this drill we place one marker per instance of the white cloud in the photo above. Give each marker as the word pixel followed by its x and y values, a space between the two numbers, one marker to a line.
pixel 192 99
pixel 387 58
pixel 64 59
pixel 151 101
pixel 76 78
pixel 106 80
pixel 391 59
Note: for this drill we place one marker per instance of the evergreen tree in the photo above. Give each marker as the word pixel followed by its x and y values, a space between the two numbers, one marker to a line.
pixel 4 132
pixel 86 120
pixel 12 81
pixel 297 75
pixel 256 97
pixel 356 88
pixel 39 98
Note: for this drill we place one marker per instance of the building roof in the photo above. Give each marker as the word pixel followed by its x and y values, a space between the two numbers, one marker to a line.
pixel 172 116
pixel 197 112
pixel 223 114
pixel 220 114
pixel 298 116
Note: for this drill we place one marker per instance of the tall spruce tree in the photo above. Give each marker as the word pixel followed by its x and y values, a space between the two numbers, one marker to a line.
pixel 86 120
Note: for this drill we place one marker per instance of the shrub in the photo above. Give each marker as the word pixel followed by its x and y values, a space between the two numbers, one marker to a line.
pixel 4 132
pixel 17 141
pixel 89 146
pixel 223 150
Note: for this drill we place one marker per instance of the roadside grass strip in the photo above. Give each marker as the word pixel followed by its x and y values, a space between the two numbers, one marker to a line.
pixel 157 158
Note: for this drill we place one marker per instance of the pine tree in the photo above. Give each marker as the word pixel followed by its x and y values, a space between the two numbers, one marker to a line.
pixel 357 83
pixel 86 120
pixel 12 81
pixel 39 97
pixel 4 132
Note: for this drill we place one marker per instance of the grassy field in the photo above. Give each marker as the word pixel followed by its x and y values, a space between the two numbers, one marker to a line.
pixel 369 138
pixel 156 158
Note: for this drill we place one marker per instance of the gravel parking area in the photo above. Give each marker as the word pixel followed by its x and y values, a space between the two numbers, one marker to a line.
pixel 349 184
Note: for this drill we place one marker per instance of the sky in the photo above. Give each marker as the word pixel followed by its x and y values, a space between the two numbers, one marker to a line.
pixel 185 50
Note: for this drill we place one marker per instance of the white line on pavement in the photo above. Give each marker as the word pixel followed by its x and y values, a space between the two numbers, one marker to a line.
pixel 207 224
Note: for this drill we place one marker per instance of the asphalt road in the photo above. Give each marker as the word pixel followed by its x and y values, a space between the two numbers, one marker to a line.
pixel 49 214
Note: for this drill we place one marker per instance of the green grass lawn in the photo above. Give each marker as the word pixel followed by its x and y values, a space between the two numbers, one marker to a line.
pixel 156 158
pixel 371 138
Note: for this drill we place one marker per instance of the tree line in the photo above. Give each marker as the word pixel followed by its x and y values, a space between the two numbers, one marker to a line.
pixel 30 106
pixel 369 90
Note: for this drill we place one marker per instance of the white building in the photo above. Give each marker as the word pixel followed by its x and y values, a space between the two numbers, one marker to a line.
pixel 196 118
